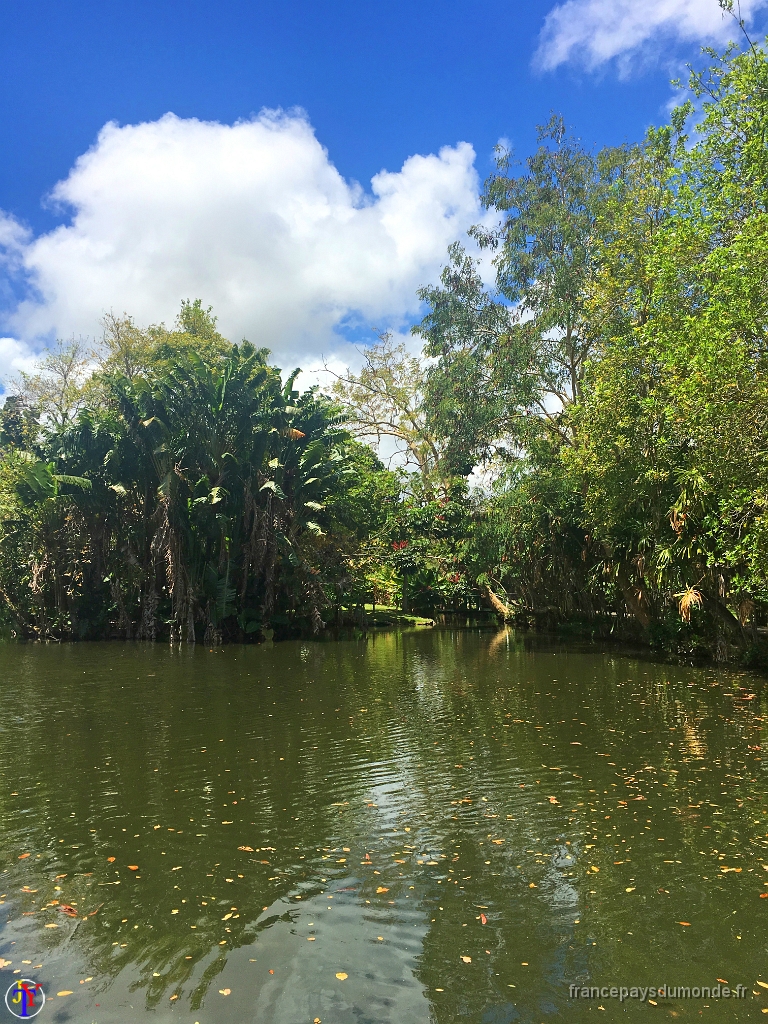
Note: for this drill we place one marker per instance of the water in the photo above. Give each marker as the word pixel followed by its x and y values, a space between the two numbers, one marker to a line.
pixel 458 826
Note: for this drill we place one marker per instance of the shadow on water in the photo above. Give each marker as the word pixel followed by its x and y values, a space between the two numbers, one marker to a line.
pixel 434 826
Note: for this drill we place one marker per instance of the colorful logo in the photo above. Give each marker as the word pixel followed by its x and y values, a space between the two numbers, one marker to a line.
pixel 25 998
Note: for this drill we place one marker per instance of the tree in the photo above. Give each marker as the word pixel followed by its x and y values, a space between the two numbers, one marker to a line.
pixel 385 402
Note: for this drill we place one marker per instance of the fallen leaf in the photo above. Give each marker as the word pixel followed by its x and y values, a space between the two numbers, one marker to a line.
pixel 271 971
pixel 246 849
pixel 466 959
pixel 382 888
pixel 65 992
pixel 483 919
pixel 342 976
pixel 51 926
pixel 762 984
pixel 176 912
pixel 532 885
pixel 173 997
pixel 593 868
pixel 23 856
pixel 722 981
pixel 685 924
pixel 133 867
pixel 110 860
pixel 631 888
pixel 224 991
pixel 498 842
pixel 5 963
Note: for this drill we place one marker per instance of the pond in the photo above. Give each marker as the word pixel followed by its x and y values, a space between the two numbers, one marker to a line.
pixel 420 826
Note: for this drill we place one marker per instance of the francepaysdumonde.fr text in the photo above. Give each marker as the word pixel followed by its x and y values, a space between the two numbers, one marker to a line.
pixel 643 993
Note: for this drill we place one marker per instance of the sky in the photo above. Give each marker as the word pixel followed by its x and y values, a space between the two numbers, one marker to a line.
pixel 301 167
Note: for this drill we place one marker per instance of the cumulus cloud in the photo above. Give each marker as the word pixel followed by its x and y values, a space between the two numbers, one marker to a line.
pixel 15 356
pixel 593 32
pixel 253 218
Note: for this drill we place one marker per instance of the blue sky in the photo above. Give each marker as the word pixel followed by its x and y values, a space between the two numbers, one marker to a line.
pixel 379 84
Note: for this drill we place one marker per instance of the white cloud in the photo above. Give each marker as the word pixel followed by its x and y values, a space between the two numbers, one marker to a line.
pixel 593 32
pixel 15 356
pixel 252 218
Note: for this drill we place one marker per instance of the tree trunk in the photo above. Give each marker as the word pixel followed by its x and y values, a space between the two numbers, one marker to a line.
pixel 497 604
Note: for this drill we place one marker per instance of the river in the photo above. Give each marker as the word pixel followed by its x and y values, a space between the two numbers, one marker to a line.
pixel 426 826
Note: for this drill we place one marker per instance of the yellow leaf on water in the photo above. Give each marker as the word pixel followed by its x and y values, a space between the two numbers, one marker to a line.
pixel 51 926
pixel 630 888
pixel 176 912
pixel 498 842
pixel 593 868
pixel 342 976
pixel 762 984
pixel 685 924
pixel 65 992
pixel 247 849
pixel 382 888
pixel 5 963
pixel 224 991
pixel 466 959
pixel 532 885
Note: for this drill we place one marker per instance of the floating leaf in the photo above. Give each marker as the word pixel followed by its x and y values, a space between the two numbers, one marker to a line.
pixel 762 984
pixel 342 976
pixel 466 959
pixel 246 849
pixel 382 888
pixel 483 919
pixel 685 924
pixel 23 856
pixel 133 867
pixel 110 860
pixel 65 992
pixel 224 991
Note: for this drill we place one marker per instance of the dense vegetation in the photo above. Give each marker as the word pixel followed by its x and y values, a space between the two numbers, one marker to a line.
pixel 613 388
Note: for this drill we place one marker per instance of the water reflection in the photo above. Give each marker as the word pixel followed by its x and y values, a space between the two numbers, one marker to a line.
pixel 461 825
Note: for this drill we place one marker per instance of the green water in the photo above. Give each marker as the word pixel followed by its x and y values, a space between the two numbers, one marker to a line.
pixel 461 825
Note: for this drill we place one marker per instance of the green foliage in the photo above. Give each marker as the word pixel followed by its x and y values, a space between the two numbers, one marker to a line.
pixel 199 497
pixel 618 374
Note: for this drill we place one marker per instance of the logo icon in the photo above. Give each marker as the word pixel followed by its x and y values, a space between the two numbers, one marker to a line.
pixel 25 998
